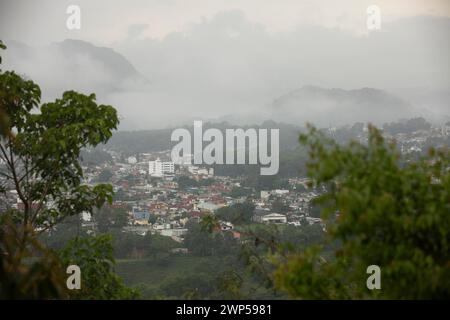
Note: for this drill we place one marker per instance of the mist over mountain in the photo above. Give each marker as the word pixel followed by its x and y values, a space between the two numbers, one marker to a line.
pixel 73 65
pixel 117 65
pixel 333 107
pixel 429 102
pixel 229 68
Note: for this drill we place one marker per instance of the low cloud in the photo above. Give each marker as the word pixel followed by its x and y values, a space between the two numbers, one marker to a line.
pixel 228 65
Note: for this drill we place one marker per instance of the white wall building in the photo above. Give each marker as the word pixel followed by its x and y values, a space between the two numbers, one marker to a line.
pixel 195 170
pixel 178 232
pixel 159 168
pixel 265 194
pixel 202 171
pixel 274 218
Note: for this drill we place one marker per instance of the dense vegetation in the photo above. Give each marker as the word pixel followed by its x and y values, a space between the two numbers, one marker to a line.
pixel 40 150
pixel 383 213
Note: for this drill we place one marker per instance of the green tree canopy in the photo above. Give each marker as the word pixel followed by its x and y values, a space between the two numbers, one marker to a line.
pixel 239 213
pixel 104 176
pixel 40 149
pixel 94 256
pixel 382 212
pixel 109 218
pixel 42 158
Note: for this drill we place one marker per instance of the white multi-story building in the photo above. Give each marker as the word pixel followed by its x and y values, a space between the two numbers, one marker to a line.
pixel 159 168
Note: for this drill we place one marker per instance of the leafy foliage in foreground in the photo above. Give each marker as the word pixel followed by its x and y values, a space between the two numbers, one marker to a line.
pixel 239 213
pixel 40 148
pixel 382 213
pixel 27 269
pixel 94 256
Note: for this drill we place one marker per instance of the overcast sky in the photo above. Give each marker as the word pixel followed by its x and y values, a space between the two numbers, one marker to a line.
pixel 211 58
pixel 107 22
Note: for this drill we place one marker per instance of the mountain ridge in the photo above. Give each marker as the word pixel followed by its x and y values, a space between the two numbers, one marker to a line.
pixel 323 106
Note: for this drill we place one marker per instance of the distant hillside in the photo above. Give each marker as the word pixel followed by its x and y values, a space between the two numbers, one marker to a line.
pixel 116 64
pixel 132 142
pixel 293 156
pixel 76 65
pixel 326 107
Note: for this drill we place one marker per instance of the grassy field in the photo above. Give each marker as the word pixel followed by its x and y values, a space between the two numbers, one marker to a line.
pixel 153 273
pixel 170 276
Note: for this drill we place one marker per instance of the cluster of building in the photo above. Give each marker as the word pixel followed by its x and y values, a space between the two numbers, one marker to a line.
pixel 147 185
